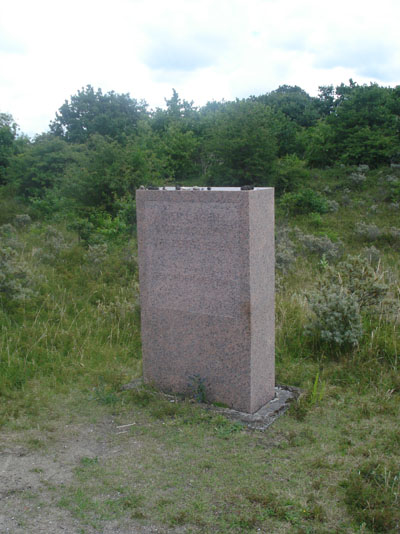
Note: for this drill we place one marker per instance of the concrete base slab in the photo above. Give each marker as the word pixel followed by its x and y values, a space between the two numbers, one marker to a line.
pixel 260 420
pixel 268 413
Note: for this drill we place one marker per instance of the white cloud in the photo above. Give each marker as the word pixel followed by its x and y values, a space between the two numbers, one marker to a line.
pixel 210 50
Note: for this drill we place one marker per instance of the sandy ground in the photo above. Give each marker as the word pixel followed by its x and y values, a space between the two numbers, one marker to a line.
pixel 30 475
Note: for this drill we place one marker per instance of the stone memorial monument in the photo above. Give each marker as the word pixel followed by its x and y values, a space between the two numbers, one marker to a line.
pixel 206 270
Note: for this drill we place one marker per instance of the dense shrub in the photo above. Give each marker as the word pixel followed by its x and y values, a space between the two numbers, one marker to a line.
pixel 53 244
pixel 332 205
pixel 356 180
pixel 342 293
pixel 304 201
pixel 96 256
pixel 15 277
pixel 284 251
pixel 320 245
pixel 368 232
pixel 22 220
pixel 372 254
pixel 336 318
pixel 357 276
pixel 290 172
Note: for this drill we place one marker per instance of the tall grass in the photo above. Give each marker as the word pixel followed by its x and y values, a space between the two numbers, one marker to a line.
pixel 81 323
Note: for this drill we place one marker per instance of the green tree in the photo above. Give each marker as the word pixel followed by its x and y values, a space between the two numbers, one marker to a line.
pixel 241 144
pixel 8 132
pixel 92 112
pixel 361 125
pixel 40 165
pixel 177 111
pixel 293 102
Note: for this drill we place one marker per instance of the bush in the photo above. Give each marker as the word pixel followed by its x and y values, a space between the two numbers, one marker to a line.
pixel 284 251
pixel 356 275
pixel 341 295
pixel 356 180
pixel 96 256
pixel 332 205
pixel 337 319
pixel 15 277
pixel 54 244
pixel 304 202
pixel 372 254
pixel 290 171
pixel 368 232
pixel 22 220
pixel 363 168
pixel 320 245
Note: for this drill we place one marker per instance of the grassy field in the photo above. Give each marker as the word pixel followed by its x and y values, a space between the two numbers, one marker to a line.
pixel 70 339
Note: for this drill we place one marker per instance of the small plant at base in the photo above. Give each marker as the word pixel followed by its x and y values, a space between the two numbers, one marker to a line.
pixel 197 385
pixel 318 390
pixel 104 395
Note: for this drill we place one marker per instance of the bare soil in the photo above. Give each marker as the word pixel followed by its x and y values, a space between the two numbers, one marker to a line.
pixel 34 467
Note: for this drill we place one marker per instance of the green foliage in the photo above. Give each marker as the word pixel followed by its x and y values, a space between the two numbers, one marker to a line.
pixel 179 152
pixel 8 132
pixel 91 112
pixel 197 385
pixel 319 144
pixel 241 145
pixel 289 174
pixel 361 127
pixel 304 201
pixel 293 102
pixel 41 166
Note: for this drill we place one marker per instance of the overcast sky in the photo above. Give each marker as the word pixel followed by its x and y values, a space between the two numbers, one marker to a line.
pixel 206 50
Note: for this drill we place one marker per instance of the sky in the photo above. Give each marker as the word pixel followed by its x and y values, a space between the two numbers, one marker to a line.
pixel 206 50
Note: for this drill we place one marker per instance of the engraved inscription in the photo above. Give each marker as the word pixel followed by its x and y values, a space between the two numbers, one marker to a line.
pixel 192 257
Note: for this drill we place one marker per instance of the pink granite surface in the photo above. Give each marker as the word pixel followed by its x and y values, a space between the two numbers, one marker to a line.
pixel 206 269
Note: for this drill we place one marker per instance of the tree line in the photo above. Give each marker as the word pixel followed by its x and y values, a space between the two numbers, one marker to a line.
pixel 101 146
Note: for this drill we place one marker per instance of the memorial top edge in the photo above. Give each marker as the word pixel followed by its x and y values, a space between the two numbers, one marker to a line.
pixel 207 189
